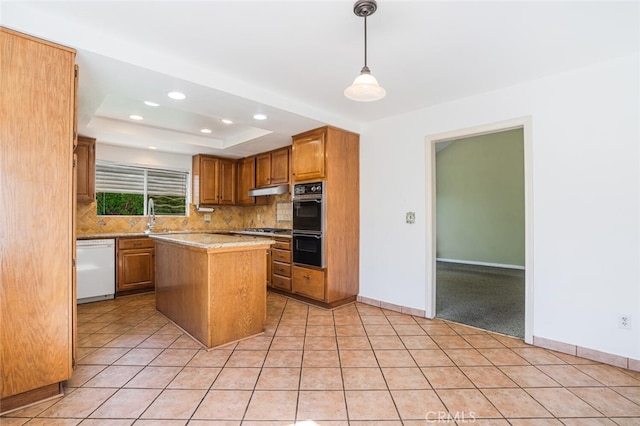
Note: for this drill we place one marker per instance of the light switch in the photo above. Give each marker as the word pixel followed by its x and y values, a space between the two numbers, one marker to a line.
pixel 411 217
pixel 207 217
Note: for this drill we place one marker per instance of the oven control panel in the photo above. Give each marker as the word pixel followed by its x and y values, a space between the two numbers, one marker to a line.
pixel 308 190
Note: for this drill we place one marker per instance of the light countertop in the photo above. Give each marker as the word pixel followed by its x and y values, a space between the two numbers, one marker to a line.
pixel 212 241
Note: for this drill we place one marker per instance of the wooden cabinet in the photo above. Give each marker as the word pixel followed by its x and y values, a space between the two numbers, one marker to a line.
pixel 136 263
pixel 227 182
pixel 86 170
pixel 308 155
pixel 309 282
pixel 272 168
pixel 281 264
pixel 246 180
pixel 331 155
pixel 214 180
pixel 36 158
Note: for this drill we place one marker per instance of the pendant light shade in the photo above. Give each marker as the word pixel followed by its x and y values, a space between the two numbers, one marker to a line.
pixel 365 87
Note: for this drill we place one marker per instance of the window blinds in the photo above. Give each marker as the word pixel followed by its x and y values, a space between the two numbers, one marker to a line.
pixel 118 178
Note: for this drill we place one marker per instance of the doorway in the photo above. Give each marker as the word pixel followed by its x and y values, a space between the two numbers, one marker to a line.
pixel 478 236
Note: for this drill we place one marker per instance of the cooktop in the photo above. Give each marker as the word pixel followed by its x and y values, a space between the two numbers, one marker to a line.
pixel 269 230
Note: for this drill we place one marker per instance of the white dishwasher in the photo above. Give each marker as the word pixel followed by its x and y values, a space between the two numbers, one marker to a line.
pixel 96 270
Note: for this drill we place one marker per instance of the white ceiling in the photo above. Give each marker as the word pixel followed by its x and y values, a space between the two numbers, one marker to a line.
pixel 291 60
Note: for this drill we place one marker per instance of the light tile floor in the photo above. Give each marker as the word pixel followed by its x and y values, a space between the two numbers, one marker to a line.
pixel 354 365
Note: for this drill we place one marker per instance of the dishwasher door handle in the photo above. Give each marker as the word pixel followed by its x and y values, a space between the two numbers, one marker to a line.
pixel 91 246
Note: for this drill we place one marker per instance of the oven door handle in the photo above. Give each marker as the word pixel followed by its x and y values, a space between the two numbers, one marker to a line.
pixel 317 237
pixel 303 200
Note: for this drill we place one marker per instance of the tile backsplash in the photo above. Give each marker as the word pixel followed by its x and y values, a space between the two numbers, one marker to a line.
pixel 222 218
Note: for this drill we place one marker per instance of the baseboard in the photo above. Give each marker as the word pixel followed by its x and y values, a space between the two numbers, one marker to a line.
pixel 587 353
pixel 26 399
pixel 473 262
pixel 392 307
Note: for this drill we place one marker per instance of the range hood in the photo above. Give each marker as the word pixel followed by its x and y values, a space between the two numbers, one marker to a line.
pixel 273 190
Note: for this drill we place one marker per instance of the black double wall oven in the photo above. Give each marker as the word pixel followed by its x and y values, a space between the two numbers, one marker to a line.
pixel 308 224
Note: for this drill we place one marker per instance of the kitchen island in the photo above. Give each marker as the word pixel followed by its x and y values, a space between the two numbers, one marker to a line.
pixel 213 286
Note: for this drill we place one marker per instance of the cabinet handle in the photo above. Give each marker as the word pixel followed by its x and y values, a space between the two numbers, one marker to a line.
pixel 306 277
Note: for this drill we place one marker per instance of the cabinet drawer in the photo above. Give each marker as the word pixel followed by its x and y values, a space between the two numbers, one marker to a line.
pixel 308 282
pixel 283 256
pixel 282 283
pixel 283 269
pixel 282 245
pixel 134 243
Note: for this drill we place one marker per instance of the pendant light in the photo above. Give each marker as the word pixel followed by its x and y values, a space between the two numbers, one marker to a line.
pixel 365 87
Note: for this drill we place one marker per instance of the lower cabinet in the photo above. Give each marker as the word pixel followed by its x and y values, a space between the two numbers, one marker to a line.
pixel 136 266
pixel 309 282
pixel 281 265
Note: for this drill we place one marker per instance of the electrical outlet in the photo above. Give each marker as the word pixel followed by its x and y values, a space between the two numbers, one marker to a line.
pixel 624 321
pixel 207 217
pixel 411 217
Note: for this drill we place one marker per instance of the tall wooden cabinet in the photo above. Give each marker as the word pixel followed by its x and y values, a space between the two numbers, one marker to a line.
pixel 331 155
pixel 37 100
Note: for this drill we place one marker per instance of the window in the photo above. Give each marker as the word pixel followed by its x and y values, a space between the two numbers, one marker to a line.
pixel 123 190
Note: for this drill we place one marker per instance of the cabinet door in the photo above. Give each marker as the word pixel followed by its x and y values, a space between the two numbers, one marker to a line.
pixel 308 157
pixel 227 182
pixel 263 170
pixel 86 169
pixel 246 180
pixel 135 269
pixel 308 282
pixel 280 166
pixel 209 178
pixel 36 163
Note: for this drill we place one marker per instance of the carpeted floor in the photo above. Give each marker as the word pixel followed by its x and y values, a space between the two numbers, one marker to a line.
pixel 481 296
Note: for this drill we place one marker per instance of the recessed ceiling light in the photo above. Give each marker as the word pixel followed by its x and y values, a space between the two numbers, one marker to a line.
pixel 260 117
pixel 152 147
pixel 205 130
pixel 226 121
pixel 177 95
pixel 151 104
pixel 136 117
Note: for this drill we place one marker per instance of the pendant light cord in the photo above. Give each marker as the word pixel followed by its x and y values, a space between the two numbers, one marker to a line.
pixel 365 43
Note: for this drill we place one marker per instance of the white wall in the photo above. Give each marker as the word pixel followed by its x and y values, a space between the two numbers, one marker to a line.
pixel 586 190
pixel 143 157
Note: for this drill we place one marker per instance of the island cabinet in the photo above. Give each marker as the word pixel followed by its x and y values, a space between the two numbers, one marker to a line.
pixel 85 169
pixel 213 286
pixel 37 299
pixel 281 264
pixel 214 180
pixel 272 168
pixel 136 266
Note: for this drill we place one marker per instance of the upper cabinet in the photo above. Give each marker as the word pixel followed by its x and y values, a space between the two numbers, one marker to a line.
pixel 246 180
pixel 308 155
pixel 272 168
pixel 86 169
pixel 214 180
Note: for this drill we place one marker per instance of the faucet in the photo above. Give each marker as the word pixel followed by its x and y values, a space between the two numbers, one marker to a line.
pixel 151 213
